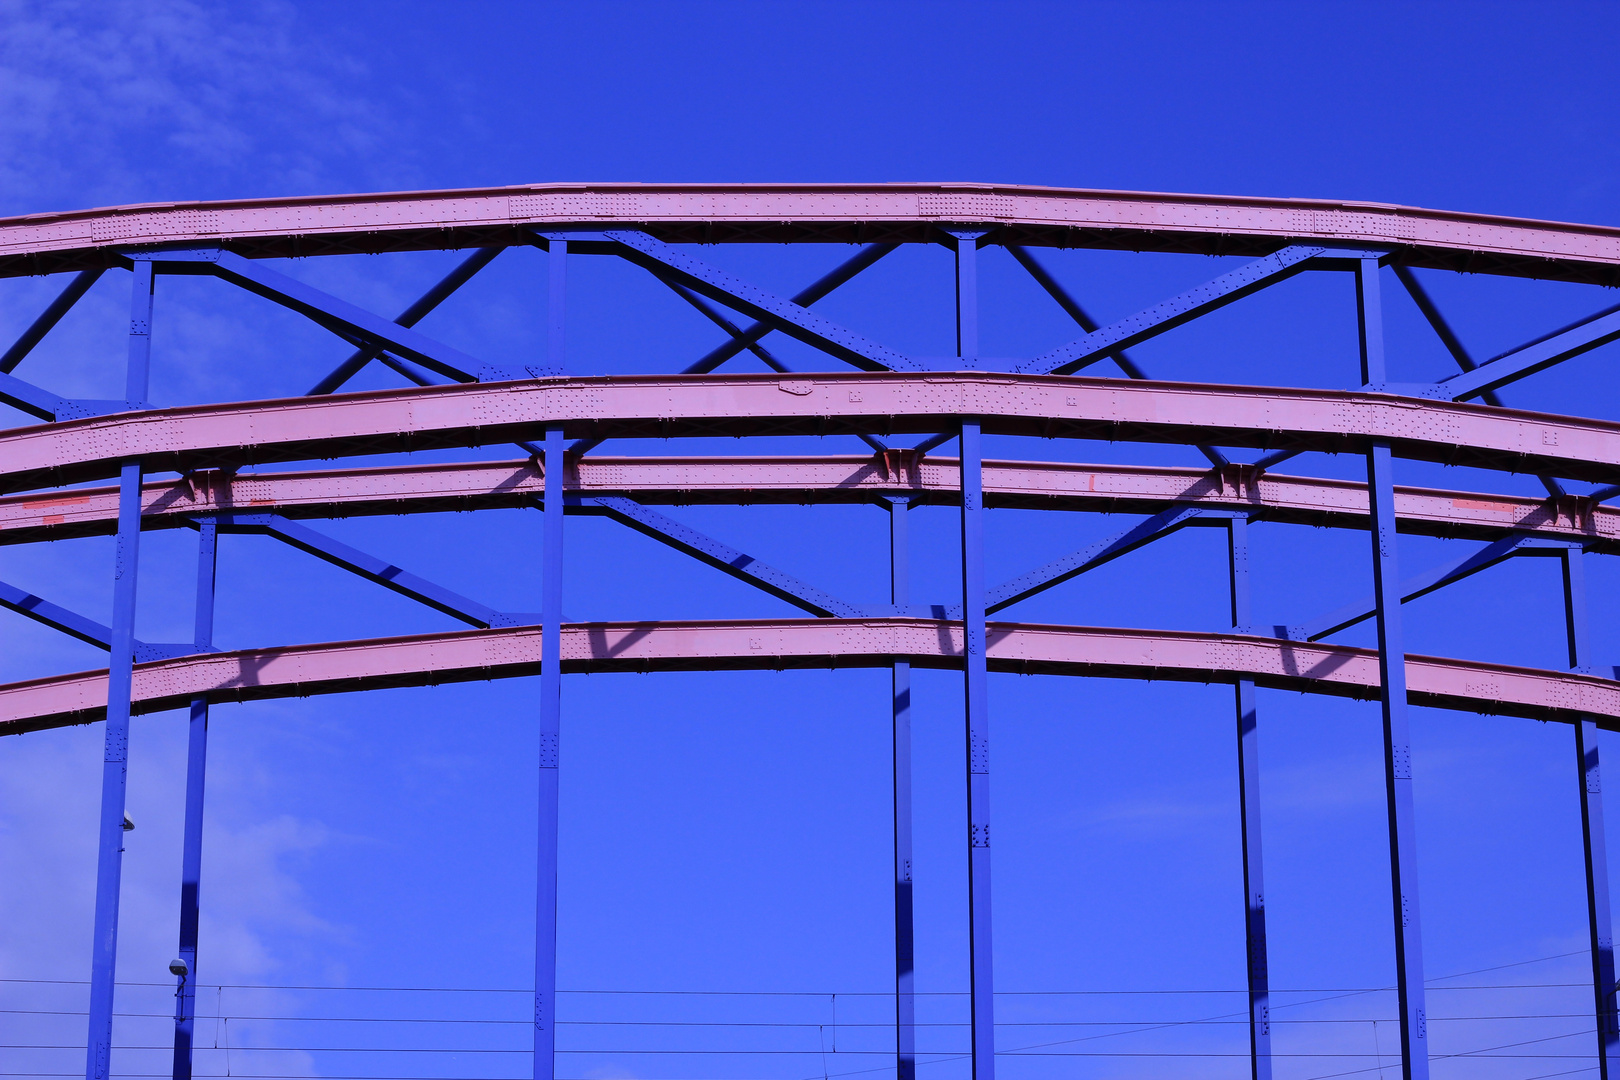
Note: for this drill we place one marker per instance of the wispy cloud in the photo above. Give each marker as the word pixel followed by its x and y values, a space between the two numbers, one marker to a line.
pixel 159 100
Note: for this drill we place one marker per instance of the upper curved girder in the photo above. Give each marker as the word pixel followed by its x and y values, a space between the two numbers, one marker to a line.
pixel 1035 485
pixel 842 213
pixel 665 406
pixel 300 670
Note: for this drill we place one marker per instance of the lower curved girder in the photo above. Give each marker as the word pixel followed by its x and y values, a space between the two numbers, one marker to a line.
pixel 423 660
pixel 237 435
pixel 1031 485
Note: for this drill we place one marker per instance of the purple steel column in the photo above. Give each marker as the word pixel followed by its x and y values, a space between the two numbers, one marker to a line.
pixel 120 662
pixel 976 681
pixel 1249 816
pixel 1592 827
pixel 1392 674
pixel 551 568
pixel 905 1002
pixel 185 995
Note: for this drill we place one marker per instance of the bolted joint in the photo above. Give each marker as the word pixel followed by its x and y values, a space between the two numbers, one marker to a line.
pixel 1577 510
pixel 1240 478
pixel 900 463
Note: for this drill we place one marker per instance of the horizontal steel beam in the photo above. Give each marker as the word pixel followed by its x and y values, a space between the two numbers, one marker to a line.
pixel 475 655
pixel 841 213
pixel 1126 489
pixel 671 406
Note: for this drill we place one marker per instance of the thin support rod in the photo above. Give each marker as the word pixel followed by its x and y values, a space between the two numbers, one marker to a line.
pixel 967 292
pixel 975 684
pixel 120 665
pixel 905 1001
pixel 556 303
pixel 545 932
pixel 551 583
pixel 1392 676
pixel 976 695
pixel 1590 785
pixel 185 993
pixel 1249 816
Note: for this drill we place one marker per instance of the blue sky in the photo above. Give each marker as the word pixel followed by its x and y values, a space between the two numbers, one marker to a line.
pixel 729 832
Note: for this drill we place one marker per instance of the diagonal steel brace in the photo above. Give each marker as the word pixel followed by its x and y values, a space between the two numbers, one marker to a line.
pixel 780 314
pixel 1423 584
pixel 1090 557
pixel 370 567
pixel 339 316
pixel 1241 282
pixel 1068 303
pixel 78 626
pixel 48 318
pixel 722 557
pixel 412 315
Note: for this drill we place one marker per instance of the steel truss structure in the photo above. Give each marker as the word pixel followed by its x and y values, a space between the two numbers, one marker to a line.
pixel 458 401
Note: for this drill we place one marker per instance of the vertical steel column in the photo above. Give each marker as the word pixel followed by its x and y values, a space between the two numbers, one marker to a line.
pixel 976 681
pixel 1392 673
pixel 905 1002
pixel 120 662
pixel 1249 815
pixel 185 995
pixel 545 925
pixel 1592 826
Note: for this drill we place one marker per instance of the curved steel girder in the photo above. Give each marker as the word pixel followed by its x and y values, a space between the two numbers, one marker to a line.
pixel 300 670
pixel 710 213
pixel 1034 485
pixel 672 406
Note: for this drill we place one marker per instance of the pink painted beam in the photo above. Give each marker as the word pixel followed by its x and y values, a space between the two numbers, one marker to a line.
pixel 301 670
pixel 339 224
pixel 408 489
pixel 669 406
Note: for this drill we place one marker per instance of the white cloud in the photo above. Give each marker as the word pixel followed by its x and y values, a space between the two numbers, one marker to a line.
pixel 255 911
pixel 159 100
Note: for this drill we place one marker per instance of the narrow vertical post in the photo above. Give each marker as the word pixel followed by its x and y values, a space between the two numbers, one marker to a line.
pixel 1593 841
pixel 556 300
pixel 905 1001
pixel 185 993
pixel 120 662
pixel 976 694
pixel 1249 815
pixel 1370 323
pixel 1392 675
pixel 545 929
pixel 976 676
pixel 967 291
